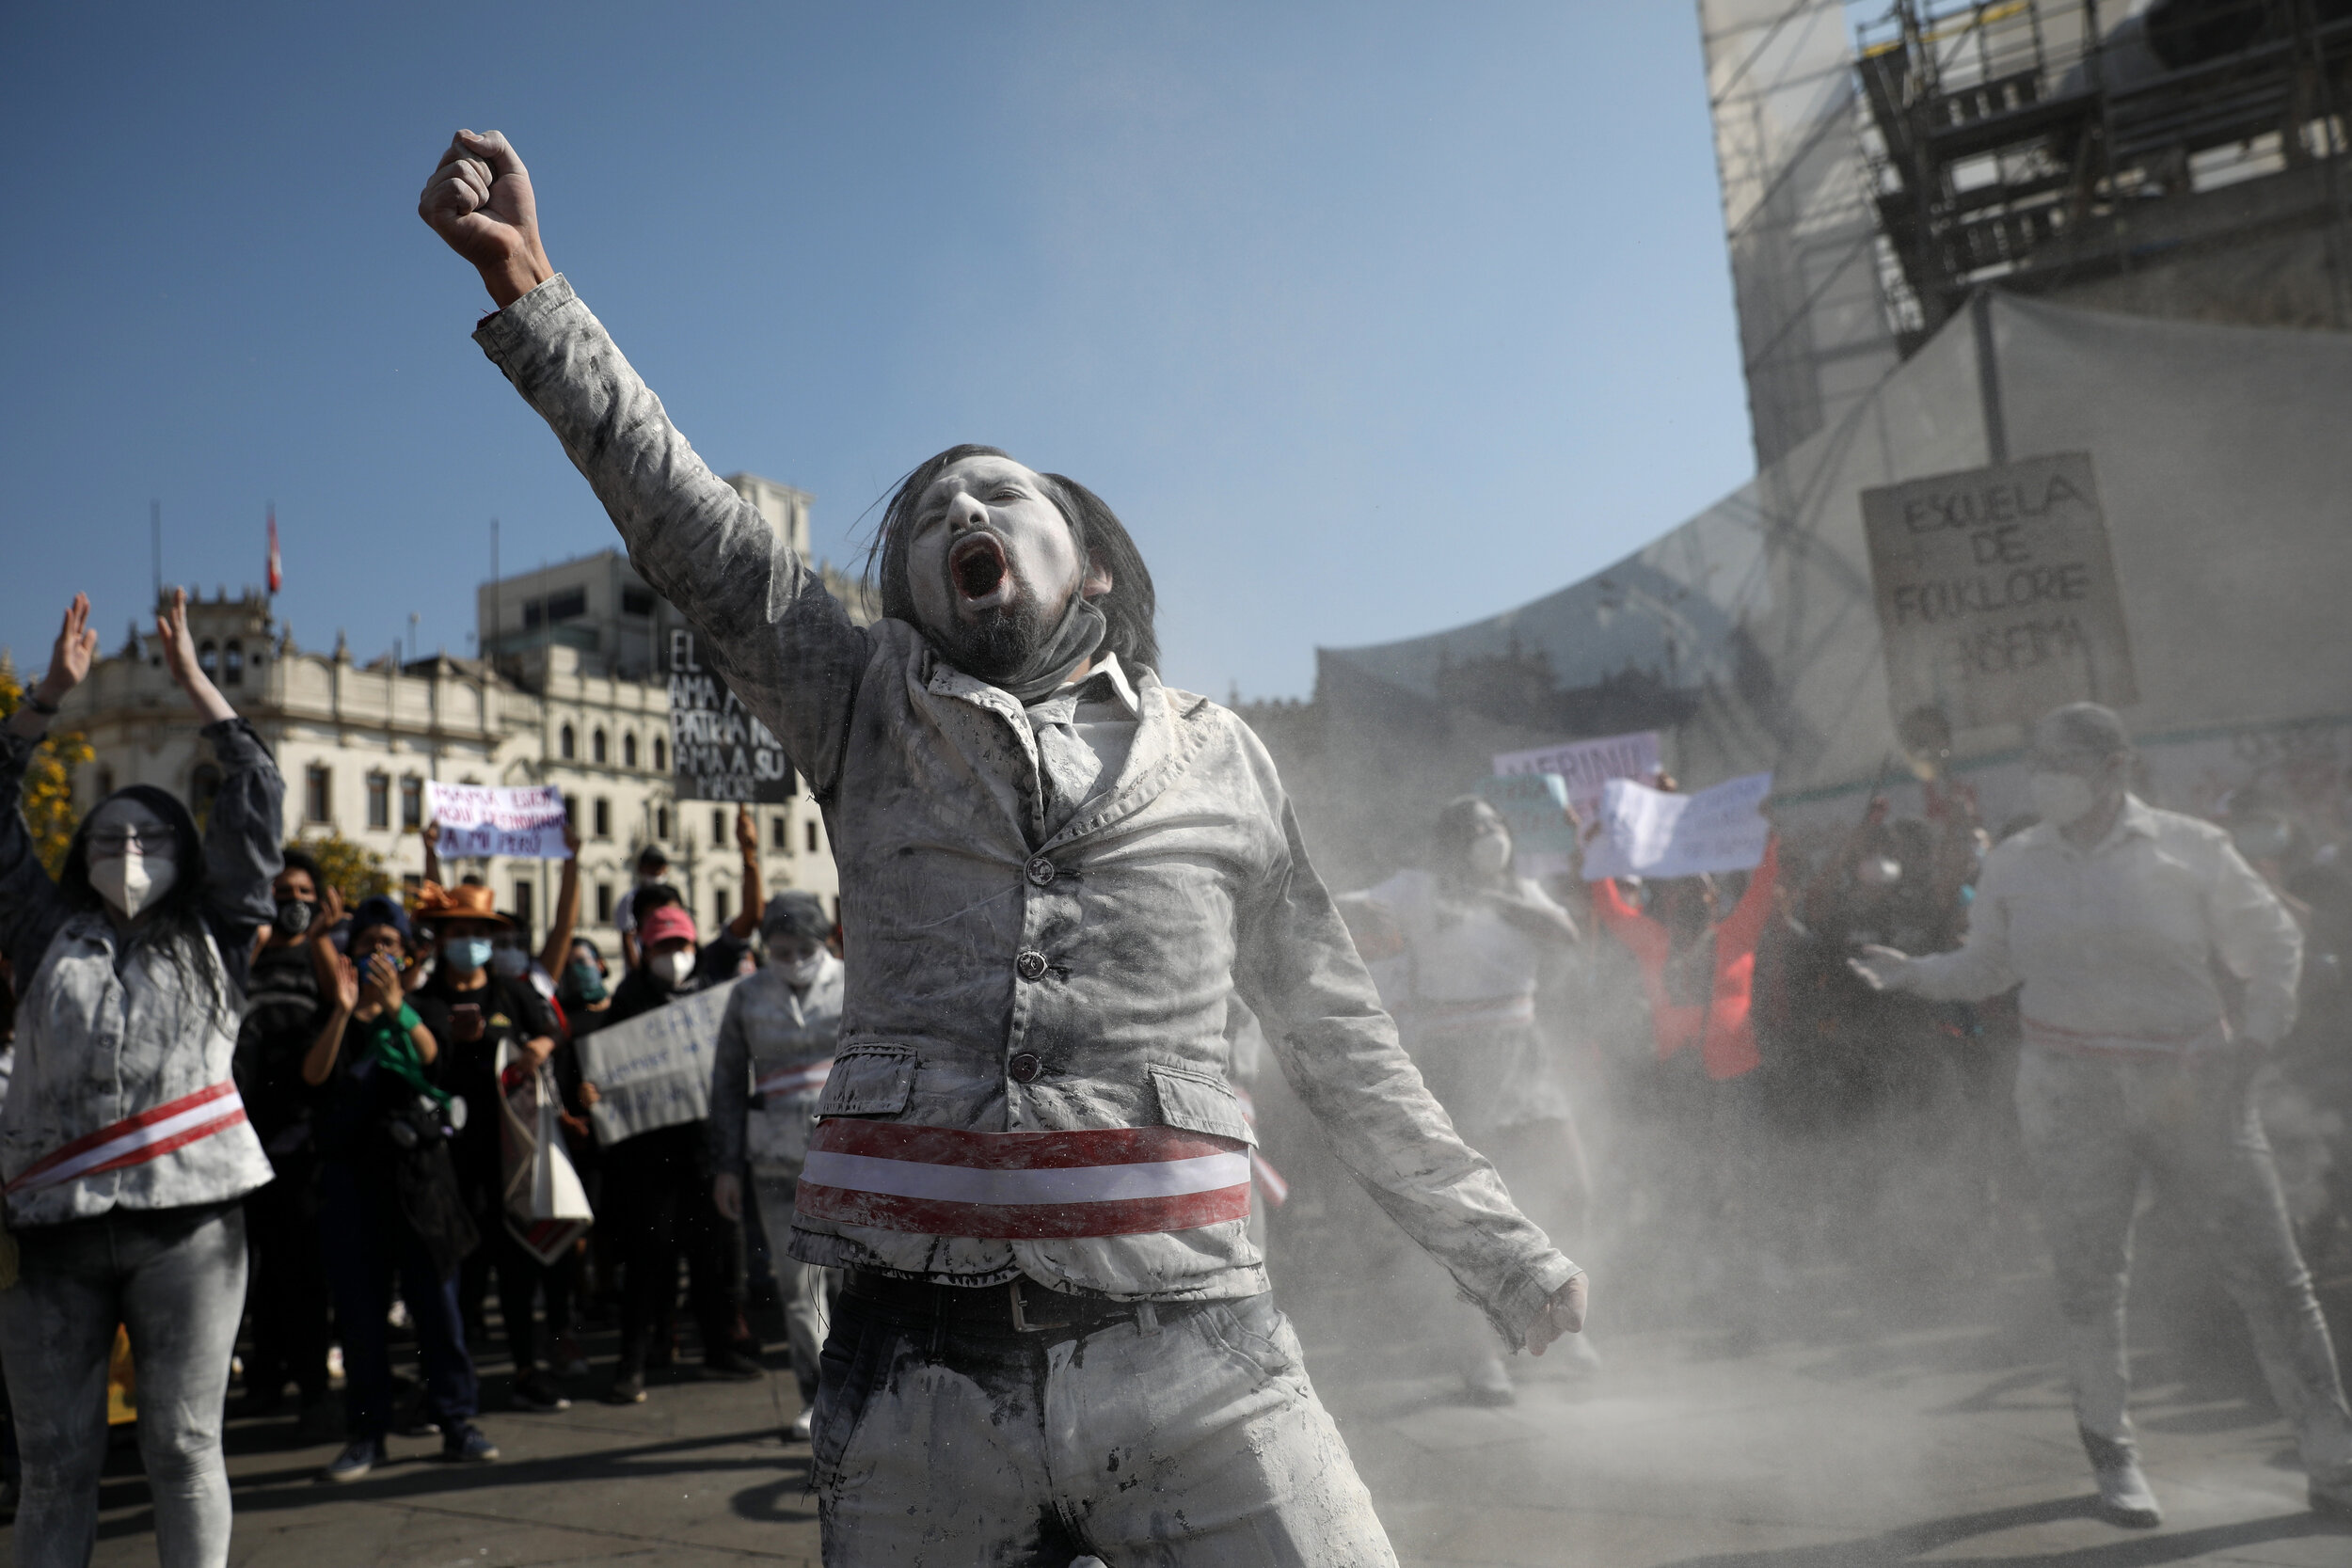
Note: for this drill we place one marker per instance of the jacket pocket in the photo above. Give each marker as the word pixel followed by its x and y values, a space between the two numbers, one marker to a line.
pixel 868 1081
pixel 1199 1104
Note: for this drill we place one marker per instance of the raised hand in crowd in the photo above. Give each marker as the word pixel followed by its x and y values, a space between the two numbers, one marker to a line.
pixel 68 665
pixel 171 628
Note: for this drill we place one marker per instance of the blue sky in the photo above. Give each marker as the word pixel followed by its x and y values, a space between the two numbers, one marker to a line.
pixel 1369 319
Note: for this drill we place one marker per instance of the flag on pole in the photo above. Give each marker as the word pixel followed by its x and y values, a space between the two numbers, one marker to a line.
pixel 277 577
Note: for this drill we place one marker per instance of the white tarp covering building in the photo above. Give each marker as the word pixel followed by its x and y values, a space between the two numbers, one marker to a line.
pixel 1749 634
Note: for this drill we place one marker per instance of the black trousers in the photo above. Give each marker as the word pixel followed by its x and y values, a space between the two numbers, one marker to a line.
pixel 657 1199
pixel 286 1282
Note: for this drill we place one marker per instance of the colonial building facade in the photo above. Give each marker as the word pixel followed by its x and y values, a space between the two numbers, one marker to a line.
pixel 569 693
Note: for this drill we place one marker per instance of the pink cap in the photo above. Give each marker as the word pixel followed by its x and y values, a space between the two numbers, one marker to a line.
pixel 668 922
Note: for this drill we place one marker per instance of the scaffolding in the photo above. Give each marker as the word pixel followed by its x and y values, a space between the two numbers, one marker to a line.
pixel 2029 142
pixel 1881 160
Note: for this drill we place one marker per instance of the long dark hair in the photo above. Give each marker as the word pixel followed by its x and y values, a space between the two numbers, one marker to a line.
pixel 175 928
pixel 1131 604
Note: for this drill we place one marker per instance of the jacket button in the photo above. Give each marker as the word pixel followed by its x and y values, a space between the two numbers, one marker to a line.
pixel 1024 1068
pixel 1040 871
pixel 1030 965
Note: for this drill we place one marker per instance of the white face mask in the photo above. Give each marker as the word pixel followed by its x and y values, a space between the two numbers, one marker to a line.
pixel 672 969
pixel 2061 799
pixel 130 849
pixel 1489 853
pixel 803 974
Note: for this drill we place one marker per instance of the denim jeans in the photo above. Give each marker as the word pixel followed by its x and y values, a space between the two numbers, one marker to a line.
pixel 1192 1440
pixel 2091 1126
pixel 365 1246
pixel 175 1279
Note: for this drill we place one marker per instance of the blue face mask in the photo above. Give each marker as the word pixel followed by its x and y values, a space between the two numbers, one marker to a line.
pixel 587 981
pixel 465 954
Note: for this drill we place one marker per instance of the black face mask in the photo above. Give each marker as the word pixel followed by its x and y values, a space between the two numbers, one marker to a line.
pixel 294 916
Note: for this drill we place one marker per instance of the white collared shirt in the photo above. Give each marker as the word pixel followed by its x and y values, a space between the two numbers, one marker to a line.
pixel 2115 945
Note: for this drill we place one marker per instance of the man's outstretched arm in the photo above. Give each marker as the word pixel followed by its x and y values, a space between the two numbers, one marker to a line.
pixel 766 626
pixel 1298 969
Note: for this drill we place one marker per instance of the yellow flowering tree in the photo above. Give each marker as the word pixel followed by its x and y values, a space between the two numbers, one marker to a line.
pixel 49 783
pixel 355 870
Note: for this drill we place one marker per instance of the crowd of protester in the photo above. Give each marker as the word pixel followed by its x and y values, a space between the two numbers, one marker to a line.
pixel 1768 1108
pixel 337 1169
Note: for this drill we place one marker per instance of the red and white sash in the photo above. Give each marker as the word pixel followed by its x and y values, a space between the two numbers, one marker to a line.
pixel 135 1140
pixel 807 1078
pixel 1021 1186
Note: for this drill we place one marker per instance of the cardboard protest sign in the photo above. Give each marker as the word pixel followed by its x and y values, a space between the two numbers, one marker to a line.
pixel 719 750
pixel 1584 767
pixel 1997 597
pixel 487 819
pixel 654 1070
pixel 1662 835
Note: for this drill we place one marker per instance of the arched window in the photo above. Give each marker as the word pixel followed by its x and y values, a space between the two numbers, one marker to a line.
pixel 208 658
pixel 232 662
pixel 661 818
pixel 661 758
pixel 604 818
pixel 596 746
pixel 628 750
pixel 565 745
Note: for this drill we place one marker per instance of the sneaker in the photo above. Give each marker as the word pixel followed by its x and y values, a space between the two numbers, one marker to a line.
pixel 730 1365
pixel 629 1388
pixel 798 1431
pixel 535 1394
pixel 359 1456
pixel 468 1446
pixel 570 1360
pixel 2124 1495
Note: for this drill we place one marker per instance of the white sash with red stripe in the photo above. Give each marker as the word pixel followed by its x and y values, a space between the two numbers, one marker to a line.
pixel 807 1078
pixel 1021 1186
pixel 135 1140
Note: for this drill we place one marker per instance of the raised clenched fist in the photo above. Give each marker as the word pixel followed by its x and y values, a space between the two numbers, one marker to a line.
pixel 479 200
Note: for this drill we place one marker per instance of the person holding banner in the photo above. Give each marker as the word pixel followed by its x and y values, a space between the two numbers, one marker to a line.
pixel 2118 919
pixel 1460 948
pixel 1055 871
pixel 485 1019
pixel 124 1146
pixel 658 1183
pixel 775 1047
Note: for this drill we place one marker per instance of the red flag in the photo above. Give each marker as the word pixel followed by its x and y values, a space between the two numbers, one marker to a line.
pixel 277 577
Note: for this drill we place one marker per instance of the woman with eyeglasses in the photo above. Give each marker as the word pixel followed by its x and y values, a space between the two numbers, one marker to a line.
pixel 124 1150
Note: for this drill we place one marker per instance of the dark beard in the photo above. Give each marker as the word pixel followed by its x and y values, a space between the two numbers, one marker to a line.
pixel 1002 641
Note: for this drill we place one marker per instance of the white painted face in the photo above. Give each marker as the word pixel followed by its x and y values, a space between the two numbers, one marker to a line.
pixel 991 563
pixel 131 852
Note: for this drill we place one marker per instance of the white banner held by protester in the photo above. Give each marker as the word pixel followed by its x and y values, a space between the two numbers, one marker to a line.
pixel 654 1070
pixel 487 819
pixel 1662 835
